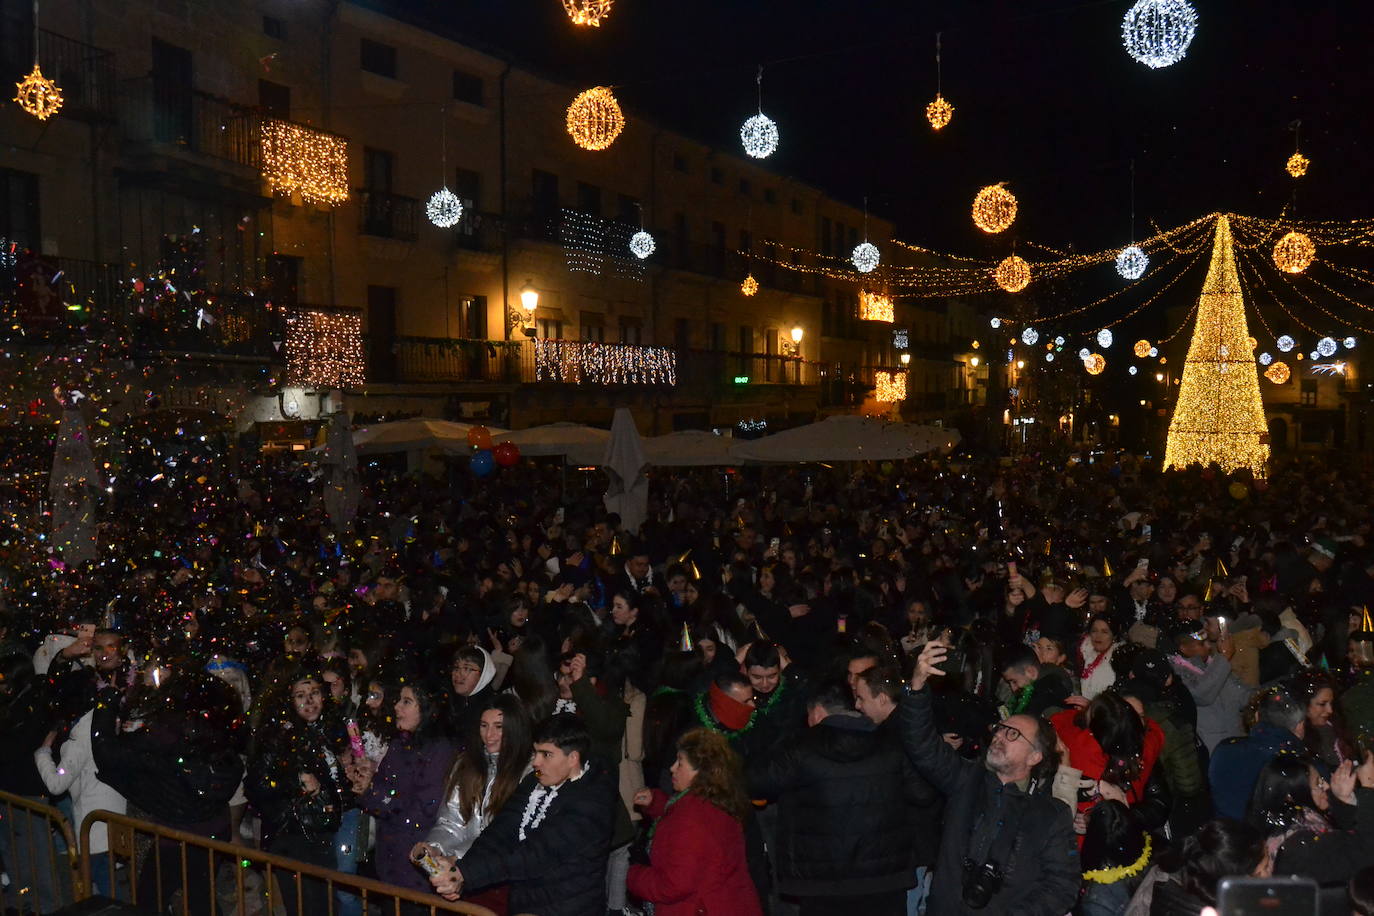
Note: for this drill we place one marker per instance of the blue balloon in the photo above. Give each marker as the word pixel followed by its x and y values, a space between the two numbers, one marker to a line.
pixel 481 463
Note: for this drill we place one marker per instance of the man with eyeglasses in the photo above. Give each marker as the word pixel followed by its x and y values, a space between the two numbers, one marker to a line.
pixel 1007 844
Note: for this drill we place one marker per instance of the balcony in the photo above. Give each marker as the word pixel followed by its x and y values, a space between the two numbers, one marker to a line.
pixel 85 72
pixel 388 216
pixel 56 300
pixel 438 359
pixel 715 370
pixel 235 326
pixel 189 121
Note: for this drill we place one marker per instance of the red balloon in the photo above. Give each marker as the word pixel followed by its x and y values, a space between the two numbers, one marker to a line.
pixel 506 454
pixel 479 437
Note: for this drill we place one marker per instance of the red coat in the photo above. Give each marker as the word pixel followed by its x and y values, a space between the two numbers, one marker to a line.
pixel 1085 754
pixel 697 864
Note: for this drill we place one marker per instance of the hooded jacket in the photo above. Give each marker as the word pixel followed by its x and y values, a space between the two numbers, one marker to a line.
pixel 841 827
pixel 463 711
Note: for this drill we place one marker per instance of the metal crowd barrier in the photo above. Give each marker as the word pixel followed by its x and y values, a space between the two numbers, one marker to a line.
pixel 40 856
pixel 261 883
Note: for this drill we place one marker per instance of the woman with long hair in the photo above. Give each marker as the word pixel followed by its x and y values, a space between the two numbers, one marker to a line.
pixel 405 790
pixel 1096 673
pixel 531 678
pixel 1111 743
pixel 484 776
pixel 697 861
pixel 1316 693
pixel 1313 827
pixel 1186 881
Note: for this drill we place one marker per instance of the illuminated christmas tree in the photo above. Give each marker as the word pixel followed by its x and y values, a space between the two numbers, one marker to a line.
pixel 1219 417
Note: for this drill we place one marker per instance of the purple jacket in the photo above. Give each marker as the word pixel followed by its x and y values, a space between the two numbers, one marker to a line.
pixel 405 797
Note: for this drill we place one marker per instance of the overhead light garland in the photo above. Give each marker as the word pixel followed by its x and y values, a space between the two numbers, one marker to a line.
pixel 1013 274
pixel 1294 253
pixel 875 307
pixel 594 119
pixel 584 362
pixel 1157 33
pixel 889 387
pixel 1219 417
pixel 587 12
pixel 994 209
pixel 324 349
pixel 759 134
pixel 302 160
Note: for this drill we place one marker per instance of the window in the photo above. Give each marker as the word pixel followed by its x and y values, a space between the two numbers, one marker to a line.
pixel 718 336
pixel 628 209
pixel 1309 393
pixel 467 87
pixel 593 325
pixel 681 239
pixel 375 57
pixel 283 279
pixel 745 187
pixel 746 339
pixel 746 240
pixel 826 248
pixel 273 27
pixel 718 248
pixel 472 317
pixel 796 205
pixel 467 185
pixel 275 99
pixel 19 208
pixel 770 196
pixel 381 333
pixel 717 176
pixel 631 330
pixel 588 198
pixel 682 334
pixel 544 189
pixel 680 163
pixel 378 167
pixel 550 328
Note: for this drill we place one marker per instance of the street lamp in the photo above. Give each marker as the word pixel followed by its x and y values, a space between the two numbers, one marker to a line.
pixel 906 359
pixel 973 361
pixel 1159 376
pixel 523 318
pixel 529 297
pixel 797 334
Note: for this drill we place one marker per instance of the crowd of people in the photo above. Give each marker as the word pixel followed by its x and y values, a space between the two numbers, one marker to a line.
pixel 943 686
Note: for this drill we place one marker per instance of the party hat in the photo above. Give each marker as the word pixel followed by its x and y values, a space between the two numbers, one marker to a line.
pixel 1106 567
pixel 686 644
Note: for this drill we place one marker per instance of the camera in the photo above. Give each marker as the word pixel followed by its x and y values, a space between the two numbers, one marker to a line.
pixel 953 662
pixel 981 883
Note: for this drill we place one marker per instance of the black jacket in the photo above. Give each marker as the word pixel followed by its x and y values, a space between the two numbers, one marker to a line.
pixel 842 829
pixel 285 750
pixel 1333 857
pixel 1041 873
pixel 560 867
pixel 24 722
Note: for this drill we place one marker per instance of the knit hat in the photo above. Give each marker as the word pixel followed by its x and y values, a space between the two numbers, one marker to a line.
pixel 1150 666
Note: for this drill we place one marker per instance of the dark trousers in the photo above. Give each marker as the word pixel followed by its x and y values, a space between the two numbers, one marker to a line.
pixel 888 903
pixel 314 892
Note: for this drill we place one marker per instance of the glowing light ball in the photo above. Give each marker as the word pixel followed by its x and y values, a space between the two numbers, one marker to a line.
pixel 1029 336
pixel 994 209
pixel 1013 274
pixel 865 257
pixel 1265 358
pixel 1142 348
pixel 1157 33
pixel 1327 346
pixel 996 323
pixel 1095 363
pixel 444 209
pixel 1131 262
pixel 1294 253
pixel 1104 338
pixel 939 112
pixel 1297 165
pixel 1285 343
pixel 750 286
pixel 642 244
pixel 760 136
pixel 594 119
pixel 1278 373
pixel 1131 369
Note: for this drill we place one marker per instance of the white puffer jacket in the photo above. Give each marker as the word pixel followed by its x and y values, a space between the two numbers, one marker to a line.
pixel 77 774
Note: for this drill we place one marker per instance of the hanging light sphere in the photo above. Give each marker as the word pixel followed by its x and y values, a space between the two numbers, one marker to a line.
pixel 996 323
pixel 587 12
pixel 1131 369
pixel 1327 346
pixel 994 209
pixel 642 244
pixel 750 286
pixel 38 95
pixel 1157 32
pixel 1265 358
pixel 1294 253
pixel 1297 165
pixel 1141 348
pixel 1095 363
pixel 1314 356
pixel 865 257
pixel 444 209
pixel 1104 338
pixel 1029 336
pixel 1013 274
pixel 1285 343
pixel 1278 373
pixel 1049 357
pixel 1348 343
pixel 939 112
pixel 1154 351
pixel 760 136
pixel 594 119
pixel 1131 262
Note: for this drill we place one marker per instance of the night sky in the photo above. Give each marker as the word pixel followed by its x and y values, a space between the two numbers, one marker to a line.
pixel 1045 98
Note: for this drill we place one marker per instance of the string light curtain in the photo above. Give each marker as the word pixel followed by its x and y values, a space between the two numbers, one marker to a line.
pixel 301 160
pixel 325 349
pixel 582 362
pixel 875 306
pixel 889 387
pixel 1220 416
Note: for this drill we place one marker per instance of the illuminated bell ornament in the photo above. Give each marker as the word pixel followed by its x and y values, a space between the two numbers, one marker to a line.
pixel 865 257
pixel 1297 165
pixel 1285 343
pixel 1095 363
pixel 1029 336
pixel 939 112
pixel 1326 346
pixel 1131 262
pixel 994 209
pixel 594 119
pixel 760 136
pixel 750 286
pixel 38 95
pixel 1142 348
pixel 1157 33
pixel 1294 253
pixel 587 12
pixel 444 209
pixel 641 244
pixel 1278 373
pixel 1013 274
pixel 1104 338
